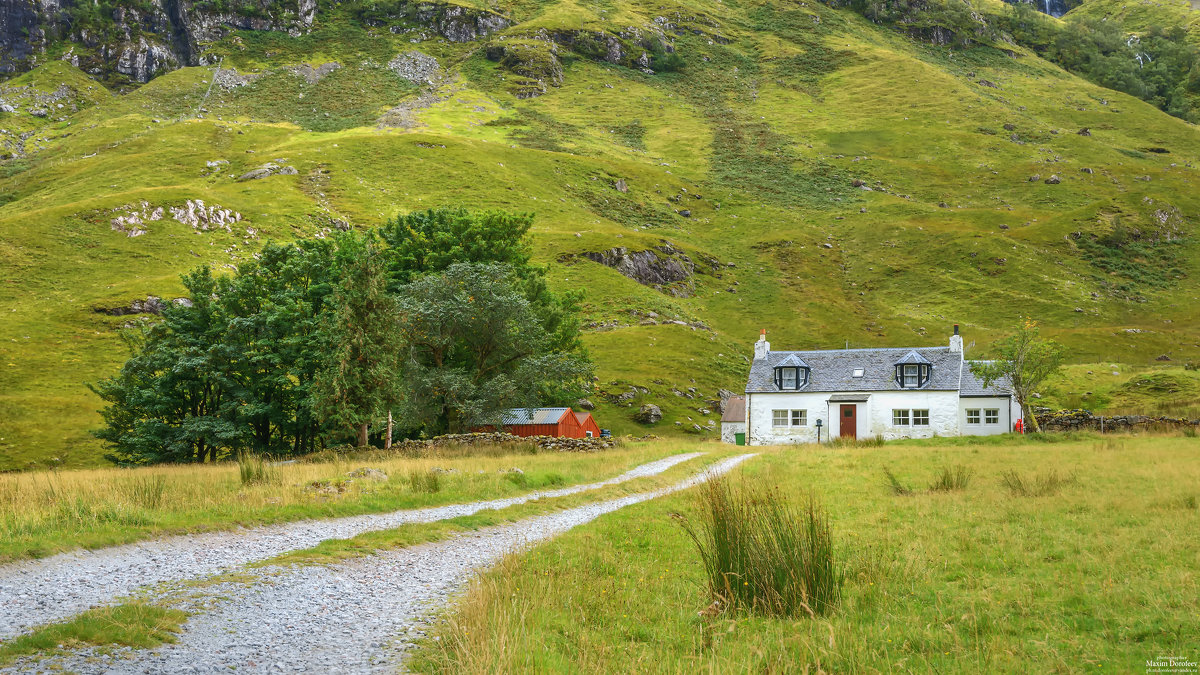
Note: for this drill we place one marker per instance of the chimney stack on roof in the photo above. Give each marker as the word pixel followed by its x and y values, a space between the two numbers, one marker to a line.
pixel 956 342
pixel 762 347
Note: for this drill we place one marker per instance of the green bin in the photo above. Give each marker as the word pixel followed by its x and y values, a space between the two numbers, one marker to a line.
pixel 739 439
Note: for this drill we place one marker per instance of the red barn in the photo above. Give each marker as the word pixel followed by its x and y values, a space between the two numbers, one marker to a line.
pixel 587 425
pixel 543 422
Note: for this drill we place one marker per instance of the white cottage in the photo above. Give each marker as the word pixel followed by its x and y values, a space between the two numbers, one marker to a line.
pixel 890 392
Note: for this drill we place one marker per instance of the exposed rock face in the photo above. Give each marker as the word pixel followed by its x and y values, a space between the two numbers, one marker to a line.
pixel 584 404
pixel 665 267
pixel 154 37
pixel 649 414
pixel 151 305
pixel 415 67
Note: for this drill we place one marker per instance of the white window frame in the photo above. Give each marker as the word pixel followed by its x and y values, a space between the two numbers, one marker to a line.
pixel 911 376
pixel 991 416
pixel 794 383
pixel 799 418
pixel 900 417
pixel 975 413
pixel 859 372
pixel 779 418
pixel 924 416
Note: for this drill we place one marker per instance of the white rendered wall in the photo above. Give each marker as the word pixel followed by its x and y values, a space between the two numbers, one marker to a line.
pixel 942 406
pixel 1004 425
pixel 729 431
pixel 758 418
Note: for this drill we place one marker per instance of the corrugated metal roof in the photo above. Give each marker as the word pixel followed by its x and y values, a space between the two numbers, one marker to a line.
pixel 735 409
pixel 832 370
pixel 533 416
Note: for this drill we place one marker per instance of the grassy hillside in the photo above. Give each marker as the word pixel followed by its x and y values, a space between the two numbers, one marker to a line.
pixel 1141 15
pixel 768 137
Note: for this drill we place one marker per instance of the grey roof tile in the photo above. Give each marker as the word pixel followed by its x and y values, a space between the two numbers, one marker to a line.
pixel 973 386
pixel 833 370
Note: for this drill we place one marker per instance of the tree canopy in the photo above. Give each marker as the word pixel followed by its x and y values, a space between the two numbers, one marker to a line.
pixel 315 340
pixel 1026 360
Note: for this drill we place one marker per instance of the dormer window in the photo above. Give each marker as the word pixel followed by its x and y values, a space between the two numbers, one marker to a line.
pixel 791 374
pixel 912 371
pixel 791 377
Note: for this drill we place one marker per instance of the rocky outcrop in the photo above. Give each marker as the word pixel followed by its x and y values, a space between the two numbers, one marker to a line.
pixel 151 305
pixel 649 414
pixel 533 61
pixel 415 66
pixel 664 267
pixel 137 42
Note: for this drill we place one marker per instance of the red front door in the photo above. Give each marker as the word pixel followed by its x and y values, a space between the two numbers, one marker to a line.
pixel 849 428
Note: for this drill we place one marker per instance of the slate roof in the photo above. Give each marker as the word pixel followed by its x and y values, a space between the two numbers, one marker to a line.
pixel 832 370
pixel 533 416
pixel 735 409
pixel 973 386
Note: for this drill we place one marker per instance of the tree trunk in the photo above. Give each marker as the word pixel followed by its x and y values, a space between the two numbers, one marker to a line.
pixel 387 440
pixel 362 435
pixel 1031 423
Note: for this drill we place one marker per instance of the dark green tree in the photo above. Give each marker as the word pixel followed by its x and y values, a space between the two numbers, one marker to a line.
pixel 359 377
pixel 167 404
pixel 475 346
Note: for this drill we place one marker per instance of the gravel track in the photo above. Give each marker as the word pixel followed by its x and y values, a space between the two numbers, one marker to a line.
pixel 38 592
pixel 354 617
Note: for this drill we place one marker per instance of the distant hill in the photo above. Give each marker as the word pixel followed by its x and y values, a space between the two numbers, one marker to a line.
pixel 702 170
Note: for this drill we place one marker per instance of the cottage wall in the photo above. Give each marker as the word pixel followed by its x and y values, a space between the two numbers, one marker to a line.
pixel 942 406
pixel 729 431
pixel 874 416
pixel 758 418
pixel 1001 403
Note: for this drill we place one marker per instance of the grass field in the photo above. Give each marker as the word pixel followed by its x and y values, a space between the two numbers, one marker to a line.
pixel 42 513
pixel 1097 574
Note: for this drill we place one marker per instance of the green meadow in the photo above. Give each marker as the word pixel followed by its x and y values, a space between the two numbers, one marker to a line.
pixel 1093 572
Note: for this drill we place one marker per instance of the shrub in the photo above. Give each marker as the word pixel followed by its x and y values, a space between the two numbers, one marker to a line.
pixel 762 554
pixel 256 469
pixel 894 484
pixel 1043 485
pixel 951 479
pixel 425 481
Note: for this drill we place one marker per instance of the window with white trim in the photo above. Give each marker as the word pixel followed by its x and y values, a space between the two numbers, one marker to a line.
pixel 991 416
pixel 920 418
pixel 972 415
pixel 859 372
pixel 799 418
pixel 779 418
pixel 900 418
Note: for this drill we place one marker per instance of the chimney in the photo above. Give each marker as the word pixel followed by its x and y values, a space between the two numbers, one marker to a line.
pixel 956 345
pixel 762 347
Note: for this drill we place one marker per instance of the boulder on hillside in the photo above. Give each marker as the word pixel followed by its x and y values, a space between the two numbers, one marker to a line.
pixel 584 404
pixel 1053 180
pixel 649 414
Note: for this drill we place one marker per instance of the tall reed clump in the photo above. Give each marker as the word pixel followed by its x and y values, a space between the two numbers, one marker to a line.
pixel 893 483
pixel 425 481
pixel 1042 485
pixel 764 555
pixel 256 469
pixel 951 479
